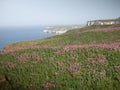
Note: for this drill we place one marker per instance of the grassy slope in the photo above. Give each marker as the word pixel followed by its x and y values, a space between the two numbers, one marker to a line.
pixel 75 37
pixel 64 68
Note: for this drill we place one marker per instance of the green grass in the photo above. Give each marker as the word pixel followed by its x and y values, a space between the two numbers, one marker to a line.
pixel 93 68
pixel 83 38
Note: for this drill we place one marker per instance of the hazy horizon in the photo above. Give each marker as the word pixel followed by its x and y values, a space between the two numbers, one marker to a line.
pixel 56 12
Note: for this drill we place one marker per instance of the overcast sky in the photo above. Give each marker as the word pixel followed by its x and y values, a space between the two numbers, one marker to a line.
pixel 56 12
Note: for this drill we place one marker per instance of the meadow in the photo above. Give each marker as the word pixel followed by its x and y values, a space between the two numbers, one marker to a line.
pixel 81 59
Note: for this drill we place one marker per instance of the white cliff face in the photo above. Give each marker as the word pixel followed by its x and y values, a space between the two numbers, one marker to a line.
pixel 104 22
pixel 61 29
pixel 61 32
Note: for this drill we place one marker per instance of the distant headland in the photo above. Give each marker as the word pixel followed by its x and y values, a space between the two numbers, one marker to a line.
pixel 63 29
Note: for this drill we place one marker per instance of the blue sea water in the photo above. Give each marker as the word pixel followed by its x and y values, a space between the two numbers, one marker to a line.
pixel 10 35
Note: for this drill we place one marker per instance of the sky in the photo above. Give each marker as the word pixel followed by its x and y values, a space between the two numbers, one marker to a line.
pixel 56 12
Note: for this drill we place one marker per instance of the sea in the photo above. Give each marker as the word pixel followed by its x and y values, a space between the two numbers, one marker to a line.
pixel 9 35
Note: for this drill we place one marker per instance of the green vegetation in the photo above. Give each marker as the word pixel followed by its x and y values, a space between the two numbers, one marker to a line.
pixel 82 59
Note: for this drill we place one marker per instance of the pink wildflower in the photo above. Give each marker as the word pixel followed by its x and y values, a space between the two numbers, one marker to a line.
pixel 23 57
pixel 48 85
pixel 117 68
pixel 11 65
pixel 74 69
pixel 36 58
pixel 101 59
pixel 103 73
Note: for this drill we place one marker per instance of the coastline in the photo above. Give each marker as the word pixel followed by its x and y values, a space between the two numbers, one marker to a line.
pixel 45 32
pixel 14 35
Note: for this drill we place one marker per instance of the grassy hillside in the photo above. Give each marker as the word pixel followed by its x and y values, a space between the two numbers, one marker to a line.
pixel 87 58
